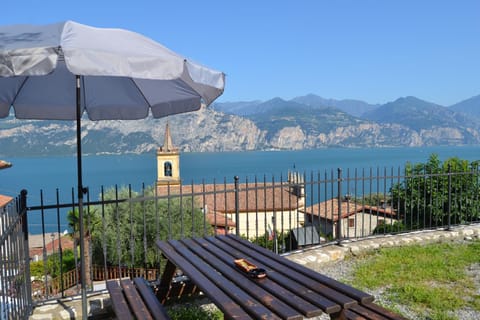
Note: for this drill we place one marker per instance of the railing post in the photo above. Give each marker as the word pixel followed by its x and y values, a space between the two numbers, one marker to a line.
pixel 23 212
pixel 449 196
pixel 339 199
pixel 60 249
pixel 237 209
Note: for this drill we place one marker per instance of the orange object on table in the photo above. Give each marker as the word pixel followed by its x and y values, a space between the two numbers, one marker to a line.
pixel 251 269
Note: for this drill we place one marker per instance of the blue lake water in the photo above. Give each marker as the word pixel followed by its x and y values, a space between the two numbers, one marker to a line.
pixel 50 173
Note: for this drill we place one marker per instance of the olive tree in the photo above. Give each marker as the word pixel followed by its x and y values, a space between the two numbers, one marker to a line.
pixel 132 222
pixel 436 194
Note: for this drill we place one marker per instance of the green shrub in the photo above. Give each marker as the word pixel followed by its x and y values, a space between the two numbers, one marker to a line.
pixel 37 268
pixel 193 312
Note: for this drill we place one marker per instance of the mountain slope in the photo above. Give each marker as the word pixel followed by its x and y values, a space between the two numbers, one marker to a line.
pixel 277 114
pixel 274 124
pixel 417 114
pixel 470 106
pixel 353 107
pixel 205 130
pixel 241 108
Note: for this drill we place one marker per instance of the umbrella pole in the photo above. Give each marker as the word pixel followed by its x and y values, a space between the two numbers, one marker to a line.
pixel 80 203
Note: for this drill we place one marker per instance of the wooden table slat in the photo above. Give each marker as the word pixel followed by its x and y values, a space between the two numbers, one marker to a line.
pixel 359 295
pixel 119 303
pixel 224 302
pixel 154 305
pixel 381 310
pixel 296 278
pixel 135 301
pixel 368 314
pixel 290 291
pixel 252 305
pixel 255 287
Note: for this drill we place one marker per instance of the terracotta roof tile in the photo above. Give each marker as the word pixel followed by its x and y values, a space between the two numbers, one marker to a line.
pixel 251 198
pixel 329 209
pixel 4 164
pixel 220 220
pixel 36 244
pixel 219 199
pixel 4 200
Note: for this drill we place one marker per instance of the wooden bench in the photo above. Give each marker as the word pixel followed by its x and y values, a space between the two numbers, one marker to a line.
pixel 135 300
pixel 369 311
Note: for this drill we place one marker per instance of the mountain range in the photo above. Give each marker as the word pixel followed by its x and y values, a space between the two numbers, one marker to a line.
pixel 304 122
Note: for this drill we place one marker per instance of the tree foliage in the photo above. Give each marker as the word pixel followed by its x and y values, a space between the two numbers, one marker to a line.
pixel 437 194
pixel 52 264
pixel 384 228
pixel 130 228
pixel 91 221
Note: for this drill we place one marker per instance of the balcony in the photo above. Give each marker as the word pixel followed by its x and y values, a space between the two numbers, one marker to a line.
pixel 287 216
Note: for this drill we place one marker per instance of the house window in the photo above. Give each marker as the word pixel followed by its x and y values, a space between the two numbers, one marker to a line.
pixel 351 222
pixel 167 169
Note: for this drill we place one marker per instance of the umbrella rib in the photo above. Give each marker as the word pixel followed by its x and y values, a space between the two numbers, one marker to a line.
pixel 141 93
pixel 18 91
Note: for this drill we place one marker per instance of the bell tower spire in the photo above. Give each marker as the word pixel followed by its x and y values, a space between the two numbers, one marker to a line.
pixel 167 141
pixel 168 161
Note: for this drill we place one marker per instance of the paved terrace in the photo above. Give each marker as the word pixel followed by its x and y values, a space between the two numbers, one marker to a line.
pixel 99 303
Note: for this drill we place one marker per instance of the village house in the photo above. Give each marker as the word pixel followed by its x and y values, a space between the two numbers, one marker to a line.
pixel 262 207
pixel 356 219
pixel 4 202
pixel 4 164
pixel 48 244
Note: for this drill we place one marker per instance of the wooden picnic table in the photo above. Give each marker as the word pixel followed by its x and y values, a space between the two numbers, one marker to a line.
pixel 289 290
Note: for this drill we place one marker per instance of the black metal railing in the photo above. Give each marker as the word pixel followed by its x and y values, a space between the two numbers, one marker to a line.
pixel 280 213
pixel 15 289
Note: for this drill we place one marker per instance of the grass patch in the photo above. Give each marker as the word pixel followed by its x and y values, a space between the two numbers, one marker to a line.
pixel 431 279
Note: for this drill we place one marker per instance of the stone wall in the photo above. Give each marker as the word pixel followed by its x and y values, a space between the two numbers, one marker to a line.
pixel 338 251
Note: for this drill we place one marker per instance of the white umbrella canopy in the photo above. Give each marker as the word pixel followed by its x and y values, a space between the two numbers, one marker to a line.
pixel 61 71
pixel 123 74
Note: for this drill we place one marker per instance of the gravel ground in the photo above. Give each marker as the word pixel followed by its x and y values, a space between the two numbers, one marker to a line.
pixel 342 271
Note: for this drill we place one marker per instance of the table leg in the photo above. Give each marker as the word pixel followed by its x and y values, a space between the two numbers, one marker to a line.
pixel 166 281
pixel 345 314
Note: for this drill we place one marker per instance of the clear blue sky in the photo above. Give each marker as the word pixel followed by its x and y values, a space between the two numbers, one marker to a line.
pixel 376 51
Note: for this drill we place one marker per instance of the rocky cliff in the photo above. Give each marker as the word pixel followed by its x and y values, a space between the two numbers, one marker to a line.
pixel 277 124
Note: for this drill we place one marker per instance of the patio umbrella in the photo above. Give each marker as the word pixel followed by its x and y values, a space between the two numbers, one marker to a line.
pixel 61 71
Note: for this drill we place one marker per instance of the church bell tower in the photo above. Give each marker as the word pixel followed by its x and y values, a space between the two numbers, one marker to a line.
pixel 168 162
